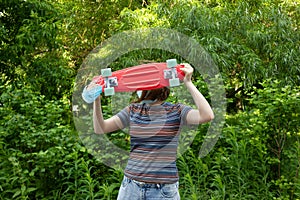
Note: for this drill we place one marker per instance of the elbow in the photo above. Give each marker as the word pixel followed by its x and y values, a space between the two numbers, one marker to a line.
pixel 98 130
pixel 209 117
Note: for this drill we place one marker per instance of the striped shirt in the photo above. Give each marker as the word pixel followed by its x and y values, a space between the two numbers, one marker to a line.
pixel 154 133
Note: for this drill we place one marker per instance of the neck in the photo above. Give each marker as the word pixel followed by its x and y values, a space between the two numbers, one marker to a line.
pixel 152 102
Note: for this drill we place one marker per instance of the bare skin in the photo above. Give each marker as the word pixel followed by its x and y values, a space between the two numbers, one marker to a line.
pixel 202 114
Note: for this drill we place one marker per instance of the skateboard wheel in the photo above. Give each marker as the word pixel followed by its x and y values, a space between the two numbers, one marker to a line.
pixel 174 82
pixel 106 72
pixel 171 63
pixel 109 91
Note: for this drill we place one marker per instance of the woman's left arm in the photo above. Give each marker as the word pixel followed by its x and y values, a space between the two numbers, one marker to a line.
pixel 204 112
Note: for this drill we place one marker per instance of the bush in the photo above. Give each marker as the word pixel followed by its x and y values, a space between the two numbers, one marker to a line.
pixel 36 140
pixel 258 154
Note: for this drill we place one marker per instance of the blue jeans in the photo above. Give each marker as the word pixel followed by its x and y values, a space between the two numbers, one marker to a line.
pixel 134 190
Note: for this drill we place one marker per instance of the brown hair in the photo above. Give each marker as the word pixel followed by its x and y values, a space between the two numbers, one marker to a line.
pixel 160 94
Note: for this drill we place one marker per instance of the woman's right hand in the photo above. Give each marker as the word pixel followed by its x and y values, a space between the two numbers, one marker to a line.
pixel 91 92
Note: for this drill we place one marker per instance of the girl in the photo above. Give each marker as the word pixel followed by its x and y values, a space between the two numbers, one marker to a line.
pixel 154 127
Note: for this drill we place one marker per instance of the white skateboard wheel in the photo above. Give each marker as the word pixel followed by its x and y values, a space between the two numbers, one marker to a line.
pixel 174 82
pixel 171 63
pixel 106 72
pixel 109 91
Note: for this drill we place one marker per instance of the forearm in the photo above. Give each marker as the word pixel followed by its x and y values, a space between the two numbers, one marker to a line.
pixel 98 120
pixel 102 125
pixel 203 107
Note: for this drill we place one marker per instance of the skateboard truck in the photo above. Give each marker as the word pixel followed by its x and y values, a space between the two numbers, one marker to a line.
pixel 110 82
pixel 171 73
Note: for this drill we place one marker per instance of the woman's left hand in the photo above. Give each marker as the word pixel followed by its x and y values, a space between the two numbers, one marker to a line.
pixel 188 71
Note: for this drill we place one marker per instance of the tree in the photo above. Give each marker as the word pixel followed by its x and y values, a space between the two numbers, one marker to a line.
pixel 30 51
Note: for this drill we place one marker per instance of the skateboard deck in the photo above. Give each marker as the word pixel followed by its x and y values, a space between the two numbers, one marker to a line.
pixel 142 77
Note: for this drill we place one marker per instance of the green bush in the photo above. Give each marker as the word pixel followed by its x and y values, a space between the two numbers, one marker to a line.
pixel 277 106
pixel 257 155
pixel 36 138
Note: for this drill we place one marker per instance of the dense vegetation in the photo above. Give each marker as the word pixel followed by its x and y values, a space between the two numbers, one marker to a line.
pixel 255 44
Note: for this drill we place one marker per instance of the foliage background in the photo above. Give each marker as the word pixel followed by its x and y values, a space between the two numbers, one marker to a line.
pixel 256 45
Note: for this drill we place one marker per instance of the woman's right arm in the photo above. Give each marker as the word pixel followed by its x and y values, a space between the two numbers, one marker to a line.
pixel 100 124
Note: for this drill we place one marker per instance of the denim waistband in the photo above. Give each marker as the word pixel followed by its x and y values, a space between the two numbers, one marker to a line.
pixel 147 185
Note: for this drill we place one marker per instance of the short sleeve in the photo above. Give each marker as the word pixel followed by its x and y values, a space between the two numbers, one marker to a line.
pixel 183 114
pixel 124 116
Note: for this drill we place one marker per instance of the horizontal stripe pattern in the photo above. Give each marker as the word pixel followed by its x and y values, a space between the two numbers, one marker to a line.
pixel 154 132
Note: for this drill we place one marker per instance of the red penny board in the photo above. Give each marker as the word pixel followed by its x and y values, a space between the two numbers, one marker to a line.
pixel 142 77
